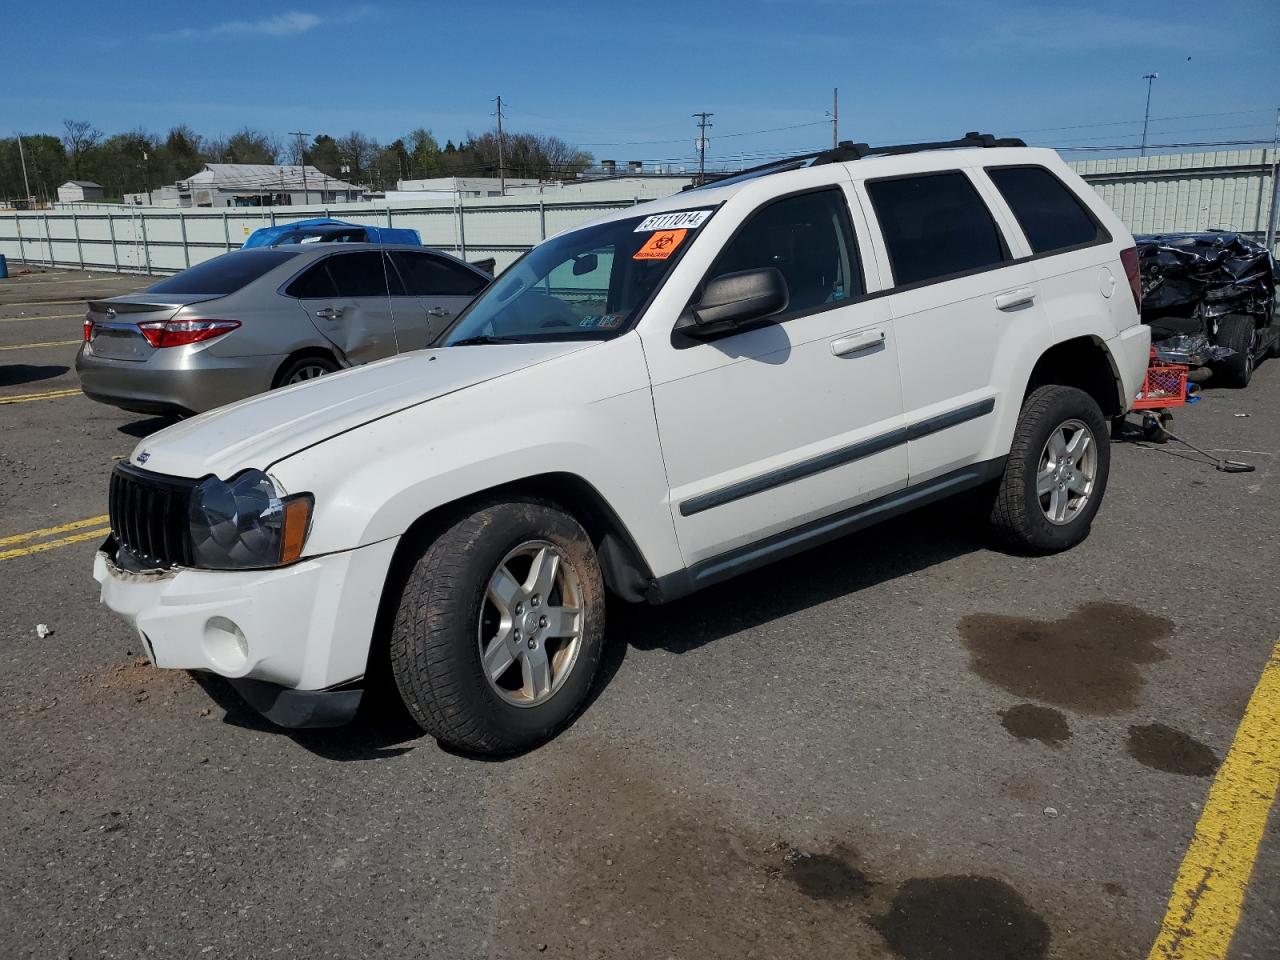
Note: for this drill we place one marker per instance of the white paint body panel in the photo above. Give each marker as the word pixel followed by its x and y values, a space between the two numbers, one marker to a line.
pixel 647 425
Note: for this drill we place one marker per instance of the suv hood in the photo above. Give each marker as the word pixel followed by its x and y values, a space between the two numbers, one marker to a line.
pixel 262 430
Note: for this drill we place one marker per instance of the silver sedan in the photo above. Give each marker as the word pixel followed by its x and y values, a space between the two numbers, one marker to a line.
pixel 252 320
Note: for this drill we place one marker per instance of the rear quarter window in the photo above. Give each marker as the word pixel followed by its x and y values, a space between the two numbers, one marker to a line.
pixel 225 274
pixel 935 225
pixel 1051 216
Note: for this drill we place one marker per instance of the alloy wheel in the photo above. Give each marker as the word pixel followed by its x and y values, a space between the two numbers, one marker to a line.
pixel 530 624
pixel 1067 471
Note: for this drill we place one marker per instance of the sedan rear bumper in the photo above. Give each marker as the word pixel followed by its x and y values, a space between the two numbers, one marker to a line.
pixel 174 380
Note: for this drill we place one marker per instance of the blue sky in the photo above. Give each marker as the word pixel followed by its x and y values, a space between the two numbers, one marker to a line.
pixel 622 78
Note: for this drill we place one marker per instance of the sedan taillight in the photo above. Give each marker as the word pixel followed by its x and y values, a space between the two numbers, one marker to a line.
pixel 88 328
pixel 176 333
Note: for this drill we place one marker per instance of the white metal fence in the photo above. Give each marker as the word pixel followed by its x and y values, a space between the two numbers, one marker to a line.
pixel 1229 190
pixel 163 240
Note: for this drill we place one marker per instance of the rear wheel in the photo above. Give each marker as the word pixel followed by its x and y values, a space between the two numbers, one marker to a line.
pixel 305 368
pixel 500 627
pixel 1056 472
pixel 1237 331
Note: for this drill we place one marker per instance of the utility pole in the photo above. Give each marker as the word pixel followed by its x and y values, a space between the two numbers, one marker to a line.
pixel 146 173
pixel 835 117
pixel 302 159
pixel 23 157
pixel 1146 117
pixel 1275 185
pixel 502 170
pixel 704 121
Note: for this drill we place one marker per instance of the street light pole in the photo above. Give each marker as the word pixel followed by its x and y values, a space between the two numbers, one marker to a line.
pixel 1146 117
pixel 23 157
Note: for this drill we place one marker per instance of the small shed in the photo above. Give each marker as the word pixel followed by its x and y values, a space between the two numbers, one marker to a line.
pixel 78 191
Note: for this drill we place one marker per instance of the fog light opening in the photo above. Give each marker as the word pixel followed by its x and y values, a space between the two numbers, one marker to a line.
pixel 225 645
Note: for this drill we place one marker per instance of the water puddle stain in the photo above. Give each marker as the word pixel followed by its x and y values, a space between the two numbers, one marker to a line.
pixel 962 918
pixel 1027 721
pixel 1172 751
pixel 1086 662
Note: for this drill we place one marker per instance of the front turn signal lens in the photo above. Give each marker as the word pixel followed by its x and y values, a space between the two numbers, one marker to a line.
pixel 297 522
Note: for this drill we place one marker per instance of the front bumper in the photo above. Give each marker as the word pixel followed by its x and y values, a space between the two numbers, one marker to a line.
pixel 275 634
pixel 173 380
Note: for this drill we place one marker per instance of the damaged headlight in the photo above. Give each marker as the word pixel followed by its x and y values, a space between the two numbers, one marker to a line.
pixel 244 523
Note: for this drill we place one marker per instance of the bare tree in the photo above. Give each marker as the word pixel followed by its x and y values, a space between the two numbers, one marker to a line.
pixel 81 136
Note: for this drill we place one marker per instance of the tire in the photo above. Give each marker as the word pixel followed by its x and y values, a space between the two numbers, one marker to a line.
pixel 305 368
pixel 1020 516
pixel 1237 331
pixel 448 612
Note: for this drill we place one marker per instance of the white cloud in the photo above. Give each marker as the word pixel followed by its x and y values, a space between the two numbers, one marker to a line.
pixel 287 24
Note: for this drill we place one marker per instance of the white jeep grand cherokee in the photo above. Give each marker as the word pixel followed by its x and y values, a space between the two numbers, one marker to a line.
pixel 651 403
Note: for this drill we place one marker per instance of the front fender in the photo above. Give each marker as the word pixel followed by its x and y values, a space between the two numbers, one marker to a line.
pixel 374 482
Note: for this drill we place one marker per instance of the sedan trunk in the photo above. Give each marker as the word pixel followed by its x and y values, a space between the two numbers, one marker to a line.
pixel 115 334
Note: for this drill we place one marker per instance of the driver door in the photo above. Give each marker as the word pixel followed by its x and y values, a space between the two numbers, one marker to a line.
pixel 768 428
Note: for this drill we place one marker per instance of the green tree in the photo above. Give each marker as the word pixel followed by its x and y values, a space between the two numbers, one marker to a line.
pixel 323 154
pixel 424 153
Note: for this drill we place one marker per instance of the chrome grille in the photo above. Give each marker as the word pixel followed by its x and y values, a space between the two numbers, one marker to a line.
pixel 149 516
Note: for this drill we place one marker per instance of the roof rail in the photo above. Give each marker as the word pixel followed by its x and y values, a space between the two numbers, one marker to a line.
pixel 847 150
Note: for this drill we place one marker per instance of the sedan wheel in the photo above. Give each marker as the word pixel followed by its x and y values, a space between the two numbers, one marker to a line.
pixel 307 371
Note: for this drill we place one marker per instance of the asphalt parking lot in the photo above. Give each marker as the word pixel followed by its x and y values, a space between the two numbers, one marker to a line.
pixel 906 745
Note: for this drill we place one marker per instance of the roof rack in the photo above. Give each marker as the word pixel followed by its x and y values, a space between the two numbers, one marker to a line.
pixel 847 150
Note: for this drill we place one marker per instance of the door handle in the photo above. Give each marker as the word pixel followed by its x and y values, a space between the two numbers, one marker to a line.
pixel 858 341
pixel 329 313
pixel 439 312
pixel 1015 298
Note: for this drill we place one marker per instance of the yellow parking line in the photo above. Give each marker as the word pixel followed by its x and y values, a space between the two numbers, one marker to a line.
pixel 50 531
pixel 56 316
pixel 53 544
pixel 45 343
pixel 1204 907
pixel 47 395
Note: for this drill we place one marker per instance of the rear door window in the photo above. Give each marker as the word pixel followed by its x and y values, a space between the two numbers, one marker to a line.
pixel 935 225
pixel 225 274
pixel 1051 216
pixel 358 274
pixel 430 276
pixel 315 284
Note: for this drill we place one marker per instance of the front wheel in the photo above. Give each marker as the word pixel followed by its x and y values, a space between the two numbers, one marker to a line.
pixel 1056 472
pixel 500 627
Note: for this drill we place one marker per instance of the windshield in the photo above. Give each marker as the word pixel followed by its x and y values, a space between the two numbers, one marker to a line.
pixel 585 284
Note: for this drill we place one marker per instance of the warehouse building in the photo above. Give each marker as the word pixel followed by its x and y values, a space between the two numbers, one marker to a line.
pixel 251 185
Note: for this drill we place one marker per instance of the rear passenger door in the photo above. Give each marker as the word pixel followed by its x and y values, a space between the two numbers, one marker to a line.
pixel 436 291
pixel 964 308
pixel 347 298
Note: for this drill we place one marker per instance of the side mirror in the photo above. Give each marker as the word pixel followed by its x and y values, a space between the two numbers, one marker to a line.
pixel 734 299
pixel 585 264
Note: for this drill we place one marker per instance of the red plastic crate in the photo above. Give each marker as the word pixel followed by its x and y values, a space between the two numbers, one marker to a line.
pixel 1164 386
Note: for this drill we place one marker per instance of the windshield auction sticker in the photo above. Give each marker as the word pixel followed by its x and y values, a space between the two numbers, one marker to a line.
pixel 661 245
pixel 680 220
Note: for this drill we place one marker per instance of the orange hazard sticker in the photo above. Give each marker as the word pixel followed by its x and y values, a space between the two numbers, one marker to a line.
pixel 661 245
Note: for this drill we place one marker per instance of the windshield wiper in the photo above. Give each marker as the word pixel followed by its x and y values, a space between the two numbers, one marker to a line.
pixel 485 338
